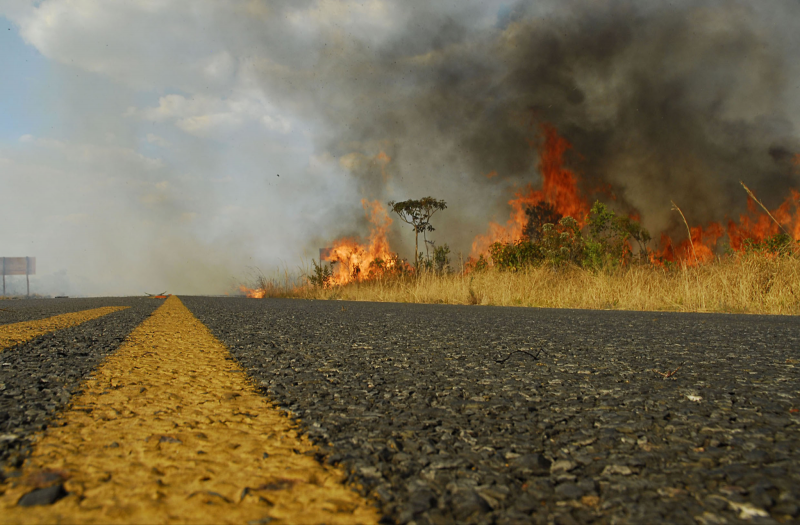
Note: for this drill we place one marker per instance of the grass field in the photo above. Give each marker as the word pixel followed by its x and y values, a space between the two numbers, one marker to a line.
pixel 745 283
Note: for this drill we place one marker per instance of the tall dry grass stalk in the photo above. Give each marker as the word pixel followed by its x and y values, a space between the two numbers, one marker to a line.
pixel 744 284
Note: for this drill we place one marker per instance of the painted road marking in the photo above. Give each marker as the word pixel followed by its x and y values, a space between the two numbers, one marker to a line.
pixel 169 430
pixel 16 333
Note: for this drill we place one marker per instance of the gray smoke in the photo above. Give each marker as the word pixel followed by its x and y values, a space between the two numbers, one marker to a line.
pixel 663 101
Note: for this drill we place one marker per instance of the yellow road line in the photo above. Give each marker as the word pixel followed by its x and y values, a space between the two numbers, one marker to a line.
pixel 169 430
pixel 16 333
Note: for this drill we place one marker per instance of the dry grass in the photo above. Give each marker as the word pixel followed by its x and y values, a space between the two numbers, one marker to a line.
pixel 745 284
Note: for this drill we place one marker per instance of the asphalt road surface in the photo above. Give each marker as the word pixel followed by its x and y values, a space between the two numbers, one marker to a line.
pixel 473 414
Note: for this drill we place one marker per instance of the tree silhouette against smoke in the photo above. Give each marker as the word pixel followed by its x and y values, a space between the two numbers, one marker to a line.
pixel 539 214
pixel 418 213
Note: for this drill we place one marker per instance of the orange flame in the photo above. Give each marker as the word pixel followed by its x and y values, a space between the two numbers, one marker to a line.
pixel 755 225
pixel 254 293
pixel 559 187
pixel 758 225
pixel 355 259
pixel 699 250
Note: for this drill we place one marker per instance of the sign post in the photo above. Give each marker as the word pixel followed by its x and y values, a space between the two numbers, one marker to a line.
pixel 19 266
pixel 324 253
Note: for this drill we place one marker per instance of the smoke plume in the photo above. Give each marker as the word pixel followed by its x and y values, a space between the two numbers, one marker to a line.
pixel 661 101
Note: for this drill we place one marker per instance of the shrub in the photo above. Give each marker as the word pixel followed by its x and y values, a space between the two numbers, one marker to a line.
pixel 394 266
pixel 563 243
pixel 606 244
pixel 777 245
pixel 321 275
pixel 514 256
pixel 610 236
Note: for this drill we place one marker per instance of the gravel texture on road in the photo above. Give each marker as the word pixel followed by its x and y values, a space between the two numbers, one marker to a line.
pixel 20 310
pixel 414 401
pixel 37 378
pixel 170 430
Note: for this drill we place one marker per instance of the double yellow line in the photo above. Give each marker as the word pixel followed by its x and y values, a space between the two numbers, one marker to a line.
pixel 169 430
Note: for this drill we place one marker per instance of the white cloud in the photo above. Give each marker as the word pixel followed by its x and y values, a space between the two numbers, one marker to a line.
pixel 205 116
pixel 276 123
pixel 208 57
pixel 152 138
pixel 219 66
pixel 371 19
pixel 205 125
pixel 123 40
pixel 92 153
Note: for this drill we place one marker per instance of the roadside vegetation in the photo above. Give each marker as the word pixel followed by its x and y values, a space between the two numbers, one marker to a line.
pixel 559 262
pixel 747 283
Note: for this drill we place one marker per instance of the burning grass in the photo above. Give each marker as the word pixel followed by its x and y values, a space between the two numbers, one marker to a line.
pixel 744 283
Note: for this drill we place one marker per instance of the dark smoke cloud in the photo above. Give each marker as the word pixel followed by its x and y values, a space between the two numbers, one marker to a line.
pixel 662 101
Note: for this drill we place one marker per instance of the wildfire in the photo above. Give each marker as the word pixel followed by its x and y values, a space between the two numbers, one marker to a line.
pixel 759 226
pixel 354 260
pixel 699 250
pixel 254 293
pixel 358 260
pixel 559 188
pixel 755 226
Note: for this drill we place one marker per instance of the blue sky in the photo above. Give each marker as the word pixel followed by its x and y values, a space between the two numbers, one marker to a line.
pixel 22 91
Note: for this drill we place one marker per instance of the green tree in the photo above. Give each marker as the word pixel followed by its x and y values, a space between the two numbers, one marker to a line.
pixel 610 236
pixel 606 242
pixel 563 242
pixel 322 276
pixel 418 213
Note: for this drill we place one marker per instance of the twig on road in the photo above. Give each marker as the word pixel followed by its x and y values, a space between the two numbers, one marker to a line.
pixel 668 375
pixel 535 357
